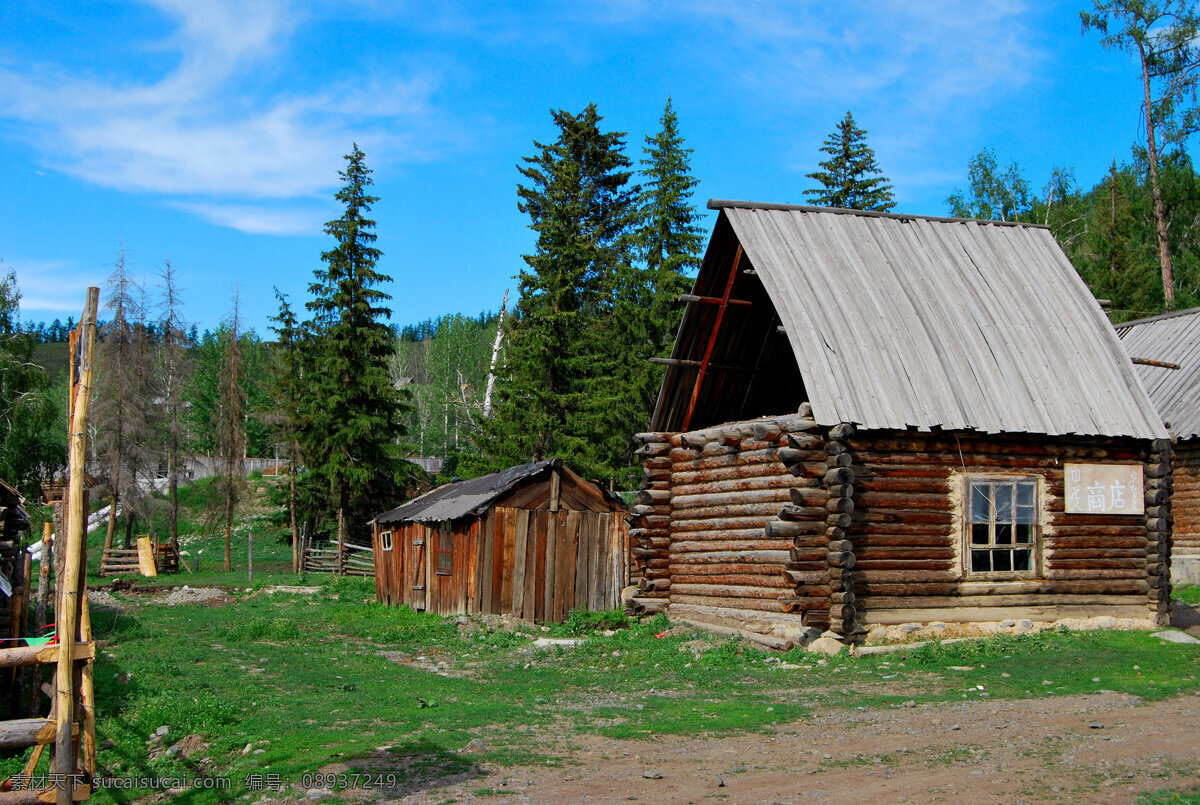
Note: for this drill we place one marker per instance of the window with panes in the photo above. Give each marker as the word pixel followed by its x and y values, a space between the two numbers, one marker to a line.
pixel 445 550
pixel 1002 526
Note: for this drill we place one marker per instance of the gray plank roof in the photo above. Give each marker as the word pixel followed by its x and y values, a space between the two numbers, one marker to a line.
pixel 1170 338
pixel 903 321
pixel 465 498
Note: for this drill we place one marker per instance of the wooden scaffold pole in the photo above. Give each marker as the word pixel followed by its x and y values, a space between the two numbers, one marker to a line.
pixel 73 619
pixel 70 728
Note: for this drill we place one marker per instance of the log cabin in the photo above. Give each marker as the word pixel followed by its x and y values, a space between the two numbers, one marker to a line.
pixel 534 541
pixel 1166 354
pixel 872 419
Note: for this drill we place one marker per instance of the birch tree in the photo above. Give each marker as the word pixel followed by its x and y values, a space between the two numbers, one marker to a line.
pixel 1162 35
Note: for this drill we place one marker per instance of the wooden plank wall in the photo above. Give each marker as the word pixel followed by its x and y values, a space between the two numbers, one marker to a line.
pixel 907 538
pixel 538 565
pixel 1185 502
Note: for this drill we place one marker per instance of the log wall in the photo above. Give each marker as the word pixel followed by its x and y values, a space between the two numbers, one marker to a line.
pixel 709 536
pixel 1185 502
pixel 770 524
pixel 907 534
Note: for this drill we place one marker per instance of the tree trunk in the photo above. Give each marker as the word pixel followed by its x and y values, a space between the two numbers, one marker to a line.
pixel 229 522
pixel 112 520
pixel 491 378
pixel 292 510
pixel 1160 214
pixel 173 485
pixel 343 500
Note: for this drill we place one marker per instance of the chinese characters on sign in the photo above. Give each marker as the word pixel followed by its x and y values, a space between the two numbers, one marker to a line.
pixel 1103 489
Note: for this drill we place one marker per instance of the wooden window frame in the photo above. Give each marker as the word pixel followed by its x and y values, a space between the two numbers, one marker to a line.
pixel 445 535
pixel 385 540
pixel 1021 512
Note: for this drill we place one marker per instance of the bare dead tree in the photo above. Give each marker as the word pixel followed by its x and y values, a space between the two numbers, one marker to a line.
pixel 231 425
pixel 122 399
pixel 174 370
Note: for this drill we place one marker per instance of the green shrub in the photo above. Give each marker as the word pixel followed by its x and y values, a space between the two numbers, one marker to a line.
pixel 582 621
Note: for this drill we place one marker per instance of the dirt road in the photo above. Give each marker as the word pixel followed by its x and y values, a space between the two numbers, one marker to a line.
pixel 1096 748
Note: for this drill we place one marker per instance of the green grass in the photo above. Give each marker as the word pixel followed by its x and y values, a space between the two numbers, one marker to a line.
pixel 1189 593
pixel 324 682
pixel 202 539
pixel 303 684
pixel 1165 796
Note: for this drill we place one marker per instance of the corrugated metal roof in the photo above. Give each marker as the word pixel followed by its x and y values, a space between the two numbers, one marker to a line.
pixel 1170 338
pixel 903 321
pixel 465 498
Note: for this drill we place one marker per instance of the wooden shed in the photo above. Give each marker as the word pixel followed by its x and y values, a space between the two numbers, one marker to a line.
pixel 1166 353
pixel 873 419
pixel 534 541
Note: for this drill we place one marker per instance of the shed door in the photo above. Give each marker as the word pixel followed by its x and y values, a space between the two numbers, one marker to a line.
pixel 416 567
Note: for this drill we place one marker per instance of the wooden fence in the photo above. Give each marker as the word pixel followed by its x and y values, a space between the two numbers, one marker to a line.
pixel 351 560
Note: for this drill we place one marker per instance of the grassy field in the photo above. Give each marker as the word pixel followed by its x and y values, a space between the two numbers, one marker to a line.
pixel 324 681
pixel 266 686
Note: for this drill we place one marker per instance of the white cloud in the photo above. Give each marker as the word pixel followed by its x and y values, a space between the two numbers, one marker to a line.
pixel 51 286
pixel 207 126
pixel 260 219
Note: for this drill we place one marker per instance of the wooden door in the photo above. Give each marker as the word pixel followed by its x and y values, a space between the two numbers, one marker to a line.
pixel 416 567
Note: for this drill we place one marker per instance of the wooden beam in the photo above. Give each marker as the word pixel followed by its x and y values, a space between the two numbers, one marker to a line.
pixel 686 362
pixel 712 341
pixel 41 655
pixel 22 733
pixel 1159 364
pixel 713 300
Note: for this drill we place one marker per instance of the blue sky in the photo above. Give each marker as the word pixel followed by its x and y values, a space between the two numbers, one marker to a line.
pixel 211 132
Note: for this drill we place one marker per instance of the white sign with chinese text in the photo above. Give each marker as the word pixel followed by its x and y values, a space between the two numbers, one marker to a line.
pixel 1103 489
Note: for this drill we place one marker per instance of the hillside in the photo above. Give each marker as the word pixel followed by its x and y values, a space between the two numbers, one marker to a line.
pixel 54 357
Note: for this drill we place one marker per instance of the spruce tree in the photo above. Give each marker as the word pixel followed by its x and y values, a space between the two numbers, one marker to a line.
pixel 287 392
pixel 353 430
pixel 668 241
pixel 850 178
pixel 557 377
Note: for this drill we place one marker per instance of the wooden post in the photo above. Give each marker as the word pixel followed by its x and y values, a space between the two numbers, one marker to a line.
pixel 68 600
pixel 341 542
pixel 712 340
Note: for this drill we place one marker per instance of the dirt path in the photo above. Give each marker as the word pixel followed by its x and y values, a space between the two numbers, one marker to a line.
pixel 1097 748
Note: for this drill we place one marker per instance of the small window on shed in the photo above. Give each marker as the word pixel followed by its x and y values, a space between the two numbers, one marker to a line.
pixel 1002 526
pixel 385 540
pixel 445 551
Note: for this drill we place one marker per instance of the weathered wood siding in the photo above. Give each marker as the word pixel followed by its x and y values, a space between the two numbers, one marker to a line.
pixel 538 565
pixel 537 554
